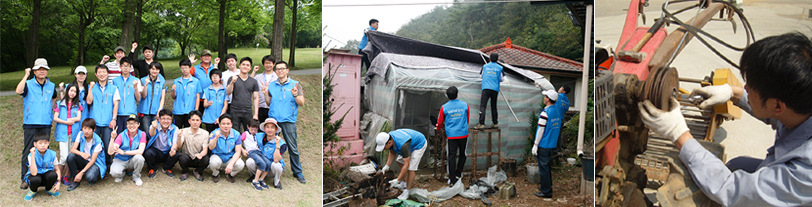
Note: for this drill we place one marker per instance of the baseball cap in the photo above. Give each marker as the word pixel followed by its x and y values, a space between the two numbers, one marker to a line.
pixel 205 52
pixel 381 140
pixel 80 69
pixel 119 48
pixel 40 63
pixel 551 94
pixel 272 121
pixel 132 117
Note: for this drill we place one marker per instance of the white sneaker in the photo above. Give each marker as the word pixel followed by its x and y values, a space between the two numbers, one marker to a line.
pixel 404 195
pixel 118 180
pixel 138 181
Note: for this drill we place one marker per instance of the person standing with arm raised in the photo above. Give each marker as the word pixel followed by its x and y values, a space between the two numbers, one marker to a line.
pixel 39 97
pixel 284 97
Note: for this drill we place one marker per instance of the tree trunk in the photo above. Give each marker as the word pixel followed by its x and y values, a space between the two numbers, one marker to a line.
pixel 221 40
pixel 278 29
pixel 32 43
pixel 292 54
pixel 139 11
pixel 80 54
pixel 127 26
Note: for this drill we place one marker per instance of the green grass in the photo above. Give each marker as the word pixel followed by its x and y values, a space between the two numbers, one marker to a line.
pixel 165 191
pixel 306 58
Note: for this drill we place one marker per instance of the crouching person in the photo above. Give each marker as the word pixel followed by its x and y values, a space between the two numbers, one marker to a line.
pixel 84 162
pixel 162 147
pixel 41 171
pixel 127 150
pixel 408 146
pixel 271 149
pixel 194 145
pixel 225 145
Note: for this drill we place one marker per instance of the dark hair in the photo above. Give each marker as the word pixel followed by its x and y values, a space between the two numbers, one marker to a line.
pixel 246 58
pixel 279 62
pixel 566 89
pixel 186 62
pixel 216 72
pixel 41 136
pixel 451 92
pixel 195 113
pixel 253 123
pixel 84 85
pixel 125 60
pixel 231 55
pixel 268 58
pixel 780 67
pixel 75 99
pixel 156 65
pixel 147 47
pixel 89 123
pixel 224 116
pixel 165 112
pixel 101 66
pixel 371 21
pixel 494 57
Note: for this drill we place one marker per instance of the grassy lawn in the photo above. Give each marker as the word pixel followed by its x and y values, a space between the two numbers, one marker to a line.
pixel 165 191
pixel 308 58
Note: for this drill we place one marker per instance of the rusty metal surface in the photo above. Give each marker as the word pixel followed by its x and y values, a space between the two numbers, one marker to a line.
pixel 474 135
pixel 671 44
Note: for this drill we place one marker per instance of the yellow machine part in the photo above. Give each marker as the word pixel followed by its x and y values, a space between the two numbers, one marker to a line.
pixel 725 76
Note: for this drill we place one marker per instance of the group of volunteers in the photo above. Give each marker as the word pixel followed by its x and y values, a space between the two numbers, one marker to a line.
pixel 118 123
pixel 407 145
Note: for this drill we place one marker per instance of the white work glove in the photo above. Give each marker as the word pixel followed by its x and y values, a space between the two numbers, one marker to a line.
pixel 670 124
pixel 394 182
pixel 535 150
pixel 713 95
pixel 384 169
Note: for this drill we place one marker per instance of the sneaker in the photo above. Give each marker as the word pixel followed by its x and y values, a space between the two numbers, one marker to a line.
pixel 118 180
pixel 151 174
pixel 301 178
pixel 479 126
pixel 29 195
pixel 256 185
pixel 183 176
pixel 198 176
pixel 262 183
pixel 54 193
pixel 404 195
pixel 278 185
pixel 230 178
pixel 138 181
pixel 73 186
pixel 65 180
pixel 170 174
pixel 495 126
pixel 215 179
pixel 542 195
pixel 24 185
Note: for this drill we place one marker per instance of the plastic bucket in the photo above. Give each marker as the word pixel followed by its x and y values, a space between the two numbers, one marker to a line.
pixel 533 174
pixel 588 164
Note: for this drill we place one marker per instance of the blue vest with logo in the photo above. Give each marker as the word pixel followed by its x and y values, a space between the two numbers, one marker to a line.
pixel 455 119
pixel 217 96
pixel 269 148
pixel 401 136
pixel 127 145
pixel 225 145
pixel 491 76
pixel 186 92
pixel 364 39
pixel 150 103
pixel 563 103
pixel 170 134
pixel 97 142
pixel 283 105
pixel 44 162
pixel 37 105
pixel 102 109
pixel 203 75
pixel 549 139
pixel 61 133
pixel 127 105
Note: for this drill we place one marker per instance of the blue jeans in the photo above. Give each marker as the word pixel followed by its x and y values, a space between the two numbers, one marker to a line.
pixel 146 120
pixel 104 134
pixel 263 163
pixel 546 177
pixel 289 132
pixel 76 162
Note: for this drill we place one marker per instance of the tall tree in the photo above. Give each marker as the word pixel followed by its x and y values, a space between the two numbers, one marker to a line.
pixel 32 42
pixel 293 31
pixel 278 28
pixel 221 34
pixel 86 10
pixel 139 12
pixel 127 26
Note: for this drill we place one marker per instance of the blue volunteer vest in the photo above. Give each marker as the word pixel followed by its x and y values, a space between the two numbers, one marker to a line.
pixel 169 135
pixel 97 142
pixel 203 75
pixel 150 103
pixel 44 162
pixel 102 109
pixel 225 145
pixel 491 76
pixel 61 133
pixel 186 93
pixel 563 103
pixel 364 39
pixel 126 145
pixel 401 136
pixel 549 139
pixel 455 119
pixel 269 148
pixel 283 106
pixel 218 96
pixel 37 105
pixel 127 104
pixel 83 103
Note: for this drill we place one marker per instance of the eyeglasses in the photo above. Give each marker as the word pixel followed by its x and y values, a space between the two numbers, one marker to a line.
pixel 281 68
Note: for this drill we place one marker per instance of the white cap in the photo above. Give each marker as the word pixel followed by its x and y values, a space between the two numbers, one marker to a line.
pixel 272 121
pixel 381 140
pixel 551 94
pixel 40 63
pixel 80 69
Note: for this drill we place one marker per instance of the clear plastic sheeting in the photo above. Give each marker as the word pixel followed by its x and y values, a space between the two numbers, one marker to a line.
pixel 474 191
pixel 445 193
pixel 371 125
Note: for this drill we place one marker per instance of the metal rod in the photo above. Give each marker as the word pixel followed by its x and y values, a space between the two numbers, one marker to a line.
pixel 508 104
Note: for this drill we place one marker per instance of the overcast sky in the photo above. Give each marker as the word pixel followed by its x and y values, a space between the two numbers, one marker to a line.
pixel 348 22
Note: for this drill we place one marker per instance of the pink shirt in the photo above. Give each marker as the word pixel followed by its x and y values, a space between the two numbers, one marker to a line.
pixel 143 139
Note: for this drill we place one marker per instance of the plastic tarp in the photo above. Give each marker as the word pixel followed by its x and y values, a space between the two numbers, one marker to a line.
pixel 407 90
pixel 493 178
pixel 371 125
pixel 445 193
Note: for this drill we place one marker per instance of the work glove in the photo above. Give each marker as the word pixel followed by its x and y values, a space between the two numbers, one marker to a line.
pixel 713 95
pixel 384 169
pixel 669 124
pixel 535 150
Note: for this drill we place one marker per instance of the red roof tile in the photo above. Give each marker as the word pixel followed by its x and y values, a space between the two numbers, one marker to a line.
pixel 521 56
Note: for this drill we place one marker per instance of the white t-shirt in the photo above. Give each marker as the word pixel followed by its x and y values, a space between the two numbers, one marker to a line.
pixel 227 74
pixel 249 141
pixel 88 145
